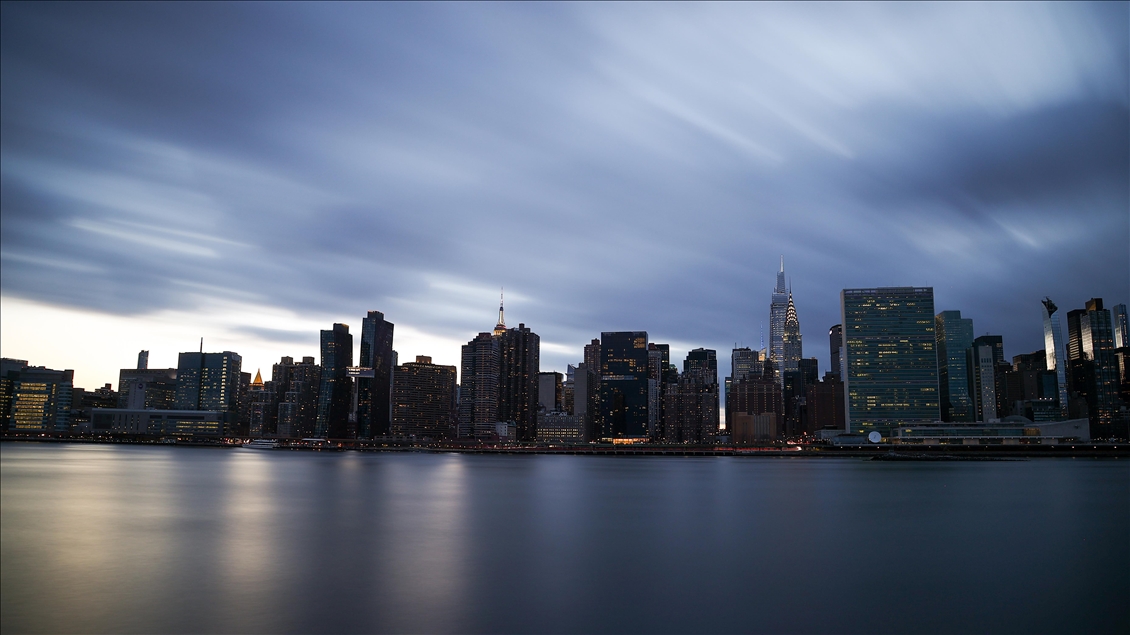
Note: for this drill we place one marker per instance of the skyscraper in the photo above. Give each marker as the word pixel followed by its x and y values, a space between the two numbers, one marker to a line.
pixel 892 368
pixel 336 390
pixel 696 411
pixel 424 400
pixel 792 351
pixel 299 384
pixel 209 381
pixel 1120 326
pixel 953 335
pixel 1056 351
pixel 623 385
pixel 658 359
pixel 374 394
pixel 1093 365
pixel 835 344
pixel 519 351
pixel 478 388
pixel 981 367
pixel 778 313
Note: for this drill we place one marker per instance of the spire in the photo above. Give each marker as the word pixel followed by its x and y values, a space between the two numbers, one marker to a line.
pixel 258 379
pixel 500 328
pixel 782 263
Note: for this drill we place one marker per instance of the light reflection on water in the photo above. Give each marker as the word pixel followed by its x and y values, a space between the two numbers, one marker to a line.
pixel 163 539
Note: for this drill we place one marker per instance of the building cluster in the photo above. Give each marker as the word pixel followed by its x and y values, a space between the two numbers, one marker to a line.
pixel 899 370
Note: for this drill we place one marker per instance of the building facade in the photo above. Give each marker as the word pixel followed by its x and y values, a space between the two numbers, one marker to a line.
pixel 889 357
pixel 210 381
pixel 623 385
pixel 336 391
pixel 374 386
pixel 953 336
pixel 424 400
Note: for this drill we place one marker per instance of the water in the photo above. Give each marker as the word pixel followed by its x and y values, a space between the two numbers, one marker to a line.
pixel 105 538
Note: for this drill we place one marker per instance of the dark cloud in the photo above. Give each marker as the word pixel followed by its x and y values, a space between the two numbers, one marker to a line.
pixel 614 167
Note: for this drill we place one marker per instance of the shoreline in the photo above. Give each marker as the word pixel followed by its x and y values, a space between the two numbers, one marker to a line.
pixel 881 451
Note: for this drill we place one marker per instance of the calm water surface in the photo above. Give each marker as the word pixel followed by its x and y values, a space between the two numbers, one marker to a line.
pixel 104 538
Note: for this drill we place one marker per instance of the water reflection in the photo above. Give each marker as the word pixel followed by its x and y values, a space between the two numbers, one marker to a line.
pixel 145 539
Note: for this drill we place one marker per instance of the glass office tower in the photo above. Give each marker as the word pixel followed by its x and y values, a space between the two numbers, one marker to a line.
pixel 953 336
pixel 892 367
pixel 623 385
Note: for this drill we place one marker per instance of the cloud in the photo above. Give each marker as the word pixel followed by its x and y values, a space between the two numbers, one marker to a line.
pixel 612 166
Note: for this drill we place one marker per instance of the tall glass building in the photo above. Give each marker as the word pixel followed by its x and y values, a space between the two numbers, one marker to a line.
pixel 209 381
pixel 623 385
pixel 1056 351
pixel 336 391
pixel 778 310
pixel 890 358
pixel 374 394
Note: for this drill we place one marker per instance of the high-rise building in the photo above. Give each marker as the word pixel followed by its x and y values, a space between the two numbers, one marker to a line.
pixel 586 396
pixel 519 351
pixel 757 408
pixel 41 400
pixel 778 313
pixel 889 357
pixel 744 363
pixel 1056 352
pixel 9 375
pixel 478 390
pixel 336 391
pixel 792 351
pixel 209 382
pixel 623 385
pixel 1120 326
pixel 953 335
pixel 658 360
pixel 374 387
pixel 550 389
pixel 835 343
pixel 980 370
pixel 696 400
pixel 298 385
pixel 143 360
pixel 424 400
pixel 1093 366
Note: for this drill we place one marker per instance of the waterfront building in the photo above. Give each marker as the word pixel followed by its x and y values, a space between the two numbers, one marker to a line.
pixel 9 375
pixel 623 385
pixel 953 336
pixel 555 426
pixel 373 412
pixel 519 351
pixel 424 400
pixel 658 360
pixel 824 405
pixel 889 357
pixel 210 381
pixel 586 396
pixel 695 402
pixel 157 423
pixel 478 390
pixel 567 390
pixel 1093 367
pixel 298 385
pixel 980 369
pixel 778 313
pixel 41 400
pixel 1055 350
pixel 835 344
pixel 744 363
pixel 336 390
pixel 147 388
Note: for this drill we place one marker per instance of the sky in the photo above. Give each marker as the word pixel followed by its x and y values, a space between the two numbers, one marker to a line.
pixel 250 173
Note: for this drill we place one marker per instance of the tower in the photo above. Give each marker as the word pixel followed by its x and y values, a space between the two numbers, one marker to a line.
pixel 778 310
pixel 374 394
pixel 1055 351
pixel 953 335
pixel 791 351
pixel 335 391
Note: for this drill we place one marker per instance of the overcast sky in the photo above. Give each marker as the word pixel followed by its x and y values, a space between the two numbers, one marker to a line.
pixel 251 173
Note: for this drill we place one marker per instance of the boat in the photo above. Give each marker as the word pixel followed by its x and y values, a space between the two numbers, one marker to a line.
pixel 261 444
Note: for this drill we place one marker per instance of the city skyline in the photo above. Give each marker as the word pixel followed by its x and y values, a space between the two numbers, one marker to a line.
pixel 601 163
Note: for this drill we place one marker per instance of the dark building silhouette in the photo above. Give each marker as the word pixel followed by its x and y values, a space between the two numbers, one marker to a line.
pixel 518 353
pixel 147 388
pixel 336 391
pixel 835 343
pixel 757 407
pixel 298 385
pixel 9 375
pixel 1093 368
pixel 374 387
pixel 623 385
pixel 983 360
pixel 658 364
pixel 953 337
pixel 478 389
pixel 210 382
pixel 551 388
pixel 424 400
pixel 824 405
pixel 693 401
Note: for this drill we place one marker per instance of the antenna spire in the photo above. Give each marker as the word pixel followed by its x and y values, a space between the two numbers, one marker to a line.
pixel 202 345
